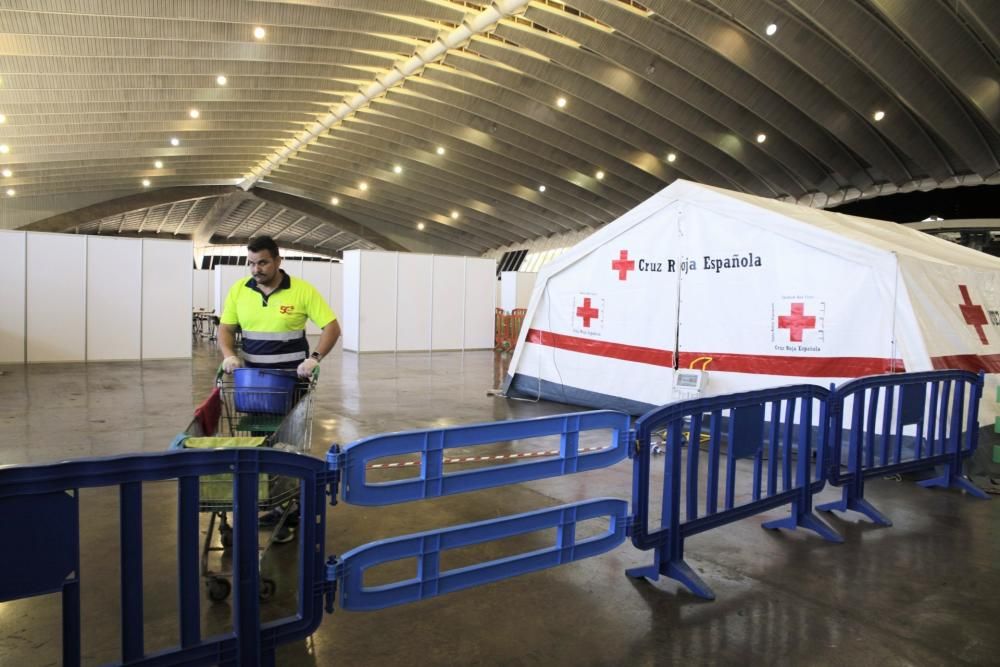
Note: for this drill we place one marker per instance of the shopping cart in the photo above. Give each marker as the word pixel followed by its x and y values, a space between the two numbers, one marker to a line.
pixel 251 408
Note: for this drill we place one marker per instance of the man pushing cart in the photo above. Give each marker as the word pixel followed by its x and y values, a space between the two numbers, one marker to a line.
pixel 263 396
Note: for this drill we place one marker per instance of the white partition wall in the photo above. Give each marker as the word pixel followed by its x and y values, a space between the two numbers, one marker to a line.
pixel 202 289
pixel 350 317
pixel 337 290
pixel 515 289
pixel 480 281
pixel 225 277
pixel 56 297
pixel 13 266
pixel 377 317
pixel 413 316
pixel 166 299
pixel 448 308
pixel 114 298
pixel 75 297
pixel 317 274
pixel 411 302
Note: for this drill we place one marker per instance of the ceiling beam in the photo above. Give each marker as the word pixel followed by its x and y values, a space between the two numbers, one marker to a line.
pixel 64 222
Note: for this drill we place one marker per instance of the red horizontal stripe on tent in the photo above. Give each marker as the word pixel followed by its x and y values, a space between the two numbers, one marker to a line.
pixel 734 363
pixel 818 367
pixel 968 362
pixel 600 348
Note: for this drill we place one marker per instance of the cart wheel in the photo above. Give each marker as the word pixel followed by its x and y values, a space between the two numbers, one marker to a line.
pixel 226 537
pixel 219 589
pixel 267 589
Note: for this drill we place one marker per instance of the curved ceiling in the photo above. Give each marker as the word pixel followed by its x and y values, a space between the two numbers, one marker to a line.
pixel 434 124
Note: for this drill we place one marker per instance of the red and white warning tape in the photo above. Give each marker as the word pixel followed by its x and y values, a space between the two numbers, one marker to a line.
pixel 475 459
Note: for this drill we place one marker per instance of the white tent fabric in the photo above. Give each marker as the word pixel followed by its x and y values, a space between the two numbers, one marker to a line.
pixel 756 292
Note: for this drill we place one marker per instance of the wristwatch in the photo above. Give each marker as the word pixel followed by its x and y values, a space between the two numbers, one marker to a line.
pixel 317 356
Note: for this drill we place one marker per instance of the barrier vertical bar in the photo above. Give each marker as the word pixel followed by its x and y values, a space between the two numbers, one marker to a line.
pixel 786 453
pixel 731 461
pixel 932 421
pixel 890 395
pixel 694 450
pixel 715 426
pixel 772 451
pixel 871 396
pixel 246 575
pixel 187 561
pixel 130 513
pixel 71 622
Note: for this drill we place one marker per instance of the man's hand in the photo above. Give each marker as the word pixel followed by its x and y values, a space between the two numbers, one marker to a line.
pixel 229 364
pixel 306 367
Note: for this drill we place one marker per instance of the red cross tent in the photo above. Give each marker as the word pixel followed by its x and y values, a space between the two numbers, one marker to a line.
pixel 755 292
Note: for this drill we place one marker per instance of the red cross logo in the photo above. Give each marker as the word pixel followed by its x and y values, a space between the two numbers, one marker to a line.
pixel 796 322
pixel 587 312
pixel 623 265
pixel 973 314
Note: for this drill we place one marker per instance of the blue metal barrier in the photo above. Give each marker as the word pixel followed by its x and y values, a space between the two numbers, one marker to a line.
pixel 427 547
pixel 939 408
pixel 777 422
pixel 41 562
pixel 431 444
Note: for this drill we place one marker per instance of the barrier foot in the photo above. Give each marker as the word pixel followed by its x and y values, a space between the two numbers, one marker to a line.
pixel 682 572
pixel 859 505
pixel 809 521
pixel 957 481
pixel 677 570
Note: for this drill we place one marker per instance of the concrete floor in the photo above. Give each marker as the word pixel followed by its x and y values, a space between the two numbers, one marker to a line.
pixel 924 592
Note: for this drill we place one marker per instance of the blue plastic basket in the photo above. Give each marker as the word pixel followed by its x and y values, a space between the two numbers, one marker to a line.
pixel 264 390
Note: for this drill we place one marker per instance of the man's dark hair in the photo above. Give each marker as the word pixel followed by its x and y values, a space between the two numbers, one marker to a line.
pixel 263 243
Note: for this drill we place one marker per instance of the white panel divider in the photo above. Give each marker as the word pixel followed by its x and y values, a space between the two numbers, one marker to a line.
pixel 317 274
pixel 412 302
pixel 480 306
pixel 201 289
pixel 13 271
pixel 114 298
pixel 448 307
pixel 415 289
pixel 166 299
pixel 350 323
pixel 56 326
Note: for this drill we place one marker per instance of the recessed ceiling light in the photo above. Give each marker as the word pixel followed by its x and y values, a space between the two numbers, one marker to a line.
pixel 3 119
pixel 761 138
pixel 174 141
pixel 362 185
pixel 398 169
pixel 4 148
pixel 561 102
pixel 334 200
pixel 541 188
pixel 259 32
pixel 599 175
pixel 194 113
pixel 7 173
pixel 440 150
pixel 420 226
pixel 454 215
pixel 221 80
pixel 671 157
pixel 11 192
pixel 158 164
pixel 145 182
pixel 878 115
pixel 771 29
